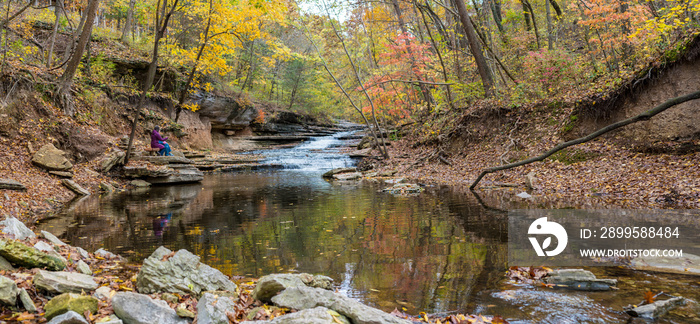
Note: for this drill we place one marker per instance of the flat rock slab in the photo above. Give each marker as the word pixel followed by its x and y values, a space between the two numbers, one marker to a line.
pixel 10 184
pixel 64 303
pixel 145 171
pixel 689 264
pixel 135 308
pixel 163 160
pixel 16 229
pixel 64 282
pixel 75 187
pixel 361 153
pixel 331 173
pixel 306 298
pixel 52 238
pixel 270 285
pixel 51 158
pixel 61 174
pixel 181 272
pixel 26 300
pixel 26 256
pixel 348 176
pixel 179 175
pixel 656 309
pixel 578 279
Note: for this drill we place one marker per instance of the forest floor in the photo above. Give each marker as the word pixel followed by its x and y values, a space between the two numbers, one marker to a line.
pixel 601 173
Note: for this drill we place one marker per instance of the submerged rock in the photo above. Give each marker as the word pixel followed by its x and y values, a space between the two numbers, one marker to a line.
pixel 270 285
pixel 16 229
pixel 180 272
pixel 212 309
pixel 306 298
pixel 8 291
pixel 404 189
pixel 578 279
pixel 133 308
pixel 51 158
pixel 64 303
pixel 64 282
pixel 348 176
pixel 28 257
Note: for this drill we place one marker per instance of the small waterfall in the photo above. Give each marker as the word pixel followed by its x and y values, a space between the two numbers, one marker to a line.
pixel 319 154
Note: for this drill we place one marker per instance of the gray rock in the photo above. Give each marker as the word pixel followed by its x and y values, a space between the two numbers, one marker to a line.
pixel 333 172
pixel 6 265
pixel 114 159
pixel 163 160
pixel 10 184
pixel 27 301
pixel 306 298
pixel 75 187
pixel 135 308
pixel 656 309
pixel 144 171
pixel 112 319
pixel 212 309
pixel 102 293
pixel 140 183
pixel 184 174
pixel 69 317
pixel 16 229
pixel 531 181
pixel 84 254
pixel 578 279
pixel 83 268
pixel 106 254
pixel 106 187
pixel 524 195
pixel 348 176
pixel 182 311
pixel 26 256
pixel 168 297
pixel 316 315
pixel 51 158
pixel 52 238
pixel 62 174
pixel 64 282
pixel 8 291
pixel 689 264
pixel 182 273
pixel 270 285
pixel 44 247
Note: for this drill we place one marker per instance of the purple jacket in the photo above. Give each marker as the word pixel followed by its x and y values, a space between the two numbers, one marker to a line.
pixel 155 138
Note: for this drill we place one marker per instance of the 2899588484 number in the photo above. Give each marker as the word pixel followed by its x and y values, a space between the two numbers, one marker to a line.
pixel 639 232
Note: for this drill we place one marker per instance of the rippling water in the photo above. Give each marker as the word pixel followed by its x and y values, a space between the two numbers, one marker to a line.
pixel 440 251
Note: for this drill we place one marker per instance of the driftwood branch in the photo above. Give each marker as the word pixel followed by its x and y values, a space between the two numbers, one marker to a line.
pixel 641 117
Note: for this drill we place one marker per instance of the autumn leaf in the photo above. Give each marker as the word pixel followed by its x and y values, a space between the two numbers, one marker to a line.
pixel 649 297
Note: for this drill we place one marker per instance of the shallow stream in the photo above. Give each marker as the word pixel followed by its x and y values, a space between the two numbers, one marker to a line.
pixel 440 251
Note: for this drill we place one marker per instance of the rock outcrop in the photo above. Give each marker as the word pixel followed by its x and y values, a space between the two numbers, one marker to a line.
pixel 64 282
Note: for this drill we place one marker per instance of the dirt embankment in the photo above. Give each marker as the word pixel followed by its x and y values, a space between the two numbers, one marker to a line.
pixel 652 164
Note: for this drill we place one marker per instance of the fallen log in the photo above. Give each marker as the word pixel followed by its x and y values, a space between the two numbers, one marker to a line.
pixel 641 117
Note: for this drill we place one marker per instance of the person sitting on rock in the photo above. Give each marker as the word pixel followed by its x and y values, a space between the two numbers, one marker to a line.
pixel 159 142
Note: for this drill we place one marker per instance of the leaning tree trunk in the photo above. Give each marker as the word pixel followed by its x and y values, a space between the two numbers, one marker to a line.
pixel 65 83
pixel 57 13
pixel 641 117
pixel 129 21
pixel 475 48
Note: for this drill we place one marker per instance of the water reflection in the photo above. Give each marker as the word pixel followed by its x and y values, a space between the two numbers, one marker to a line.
pixel 425 253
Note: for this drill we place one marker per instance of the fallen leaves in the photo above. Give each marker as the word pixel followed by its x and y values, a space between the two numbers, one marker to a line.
pixel 451 319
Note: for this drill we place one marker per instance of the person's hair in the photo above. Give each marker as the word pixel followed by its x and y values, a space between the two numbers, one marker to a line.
pixel 157 128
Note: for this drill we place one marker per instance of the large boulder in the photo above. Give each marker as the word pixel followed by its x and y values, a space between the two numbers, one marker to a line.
pixel 211 309
pixel 306 298
pixel 270 285
pixel 10 184
pixel 64 282
pixel 578 279
pixel 16 229
pixel 28 257
pixel 135 308
pixel 64 303
pixel 51 158
pixel 8 291
pixel 179 273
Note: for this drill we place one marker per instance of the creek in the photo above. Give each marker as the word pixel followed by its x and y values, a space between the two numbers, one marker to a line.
pixel 440 251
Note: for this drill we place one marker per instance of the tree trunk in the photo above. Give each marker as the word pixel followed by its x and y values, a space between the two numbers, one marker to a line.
pixel 129 21
pixel 475 48
pixel 550 36
pixel 160 31
pixel 57 12
pixel 641 117
pixel 66 81
pixel 190 77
